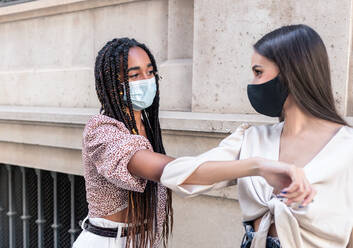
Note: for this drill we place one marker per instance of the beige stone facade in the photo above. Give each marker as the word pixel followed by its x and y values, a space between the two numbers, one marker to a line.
pixel 203 49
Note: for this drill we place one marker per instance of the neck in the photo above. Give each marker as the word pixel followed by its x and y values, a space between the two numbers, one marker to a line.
pixel 138 119
pixel 297 120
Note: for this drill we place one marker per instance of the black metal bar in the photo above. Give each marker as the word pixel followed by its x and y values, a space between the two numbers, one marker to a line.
pixel 25 215
pixel 2 231
pixel 32 190
pixel 56 225
pixel 1 228
pixel 73 230
pixel 11 213
pixel 40 221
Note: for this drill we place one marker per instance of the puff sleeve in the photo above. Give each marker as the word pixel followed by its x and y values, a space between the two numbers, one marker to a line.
pixel 109 146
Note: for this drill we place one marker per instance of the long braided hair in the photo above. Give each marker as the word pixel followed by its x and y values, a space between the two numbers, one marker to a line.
pixel 112 59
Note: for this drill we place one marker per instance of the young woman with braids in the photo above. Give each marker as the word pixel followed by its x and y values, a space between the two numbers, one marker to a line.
pixel 123 155
pixel 124 208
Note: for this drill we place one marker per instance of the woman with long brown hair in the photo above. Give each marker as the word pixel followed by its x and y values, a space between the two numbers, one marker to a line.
pixel 292 82
pixel 123 155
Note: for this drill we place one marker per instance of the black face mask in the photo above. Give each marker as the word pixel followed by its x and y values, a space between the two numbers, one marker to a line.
pixel 268 98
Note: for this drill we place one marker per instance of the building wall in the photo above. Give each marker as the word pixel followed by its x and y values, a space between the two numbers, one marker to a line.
pixel 203 48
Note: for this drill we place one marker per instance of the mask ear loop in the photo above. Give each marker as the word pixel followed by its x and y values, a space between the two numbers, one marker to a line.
pixel 126 105
pixel 146 121
pixel 144 113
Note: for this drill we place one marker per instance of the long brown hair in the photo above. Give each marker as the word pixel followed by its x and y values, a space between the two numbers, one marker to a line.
pixel 142 207
pixel 302 59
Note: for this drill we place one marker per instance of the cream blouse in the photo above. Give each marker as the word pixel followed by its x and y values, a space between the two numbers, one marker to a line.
pixel 325 223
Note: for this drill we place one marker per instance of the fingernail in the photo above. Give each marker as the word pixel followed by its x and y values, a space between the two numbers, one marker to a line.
pixel 284 192
pixel 301 206
pixel 280 196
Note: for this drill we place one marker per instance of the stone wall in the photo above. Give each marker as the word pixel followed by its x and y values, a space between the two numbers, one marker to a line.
pixel 203 48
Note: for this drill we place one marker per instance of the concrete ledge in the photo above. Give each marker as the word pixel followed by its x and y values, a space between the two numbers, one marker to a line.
pixel 170 120
pixel 62 127
pixel 54 134
pixel 208 122
pixel 49 7
pixel 75 116
pixel 41 157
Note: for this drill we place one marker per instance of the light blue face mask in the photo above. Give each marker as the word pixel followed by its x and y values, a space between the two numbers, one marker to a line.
pixel 142 93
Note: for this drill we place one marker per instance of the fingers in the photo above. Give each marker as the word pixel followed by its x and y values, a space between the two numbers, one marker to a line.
pixel 296 187
pixel 310 197
pixel 300 190
pixel 300 195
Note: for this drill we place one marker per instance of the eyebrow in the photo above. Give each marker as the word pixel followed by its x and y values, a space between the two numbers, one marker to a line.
pixel 255 66
pixel 137 67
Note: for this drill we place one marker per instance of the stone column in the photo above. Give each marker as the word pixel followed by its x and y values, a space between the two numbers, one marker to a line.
pixel 176 71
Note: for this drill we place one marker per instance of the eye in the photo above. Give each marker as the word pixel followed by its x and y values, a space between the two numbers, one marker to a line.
pixel 133 76
pixel 257 72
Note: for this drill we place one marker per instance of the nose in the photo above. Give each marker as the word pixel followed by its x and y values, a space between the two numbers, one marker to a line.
pixel 146 75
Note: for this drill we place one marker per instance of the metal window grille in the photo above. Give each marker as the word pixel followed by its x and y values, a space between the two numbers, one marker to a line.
pixel 4 3
pixel 40 208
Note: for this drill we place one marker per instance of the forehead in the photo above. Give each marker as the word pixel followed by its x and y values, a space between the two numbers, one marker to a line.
pixel 138 57
pixel 258 59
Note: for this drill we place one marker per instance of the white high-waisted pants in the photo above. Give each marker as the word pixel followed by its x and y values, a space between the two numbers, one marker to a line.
pixel 89 240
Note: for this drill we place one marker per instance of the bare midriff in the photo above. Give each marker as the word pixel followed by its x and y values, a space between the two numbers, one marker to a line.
pixel 272 232
pixel 120 216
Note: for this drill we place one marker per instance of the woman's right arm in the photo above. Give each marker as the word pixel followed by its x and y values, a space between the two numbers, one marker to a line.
pixel 281 176
pixel 190 176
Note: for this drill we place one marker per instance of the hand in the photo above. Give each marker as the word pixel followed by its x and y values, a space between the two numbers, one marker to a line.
pixel 287 179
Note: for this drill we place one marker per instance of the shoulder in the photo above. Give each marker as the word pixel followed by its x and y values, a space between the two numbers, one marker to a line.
pixel 103 123
pixel 344 138
pixel 348 132
pixel 241 129
pixel 248 129
pixel 236 136
pixel 265 130
pixel 342 149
